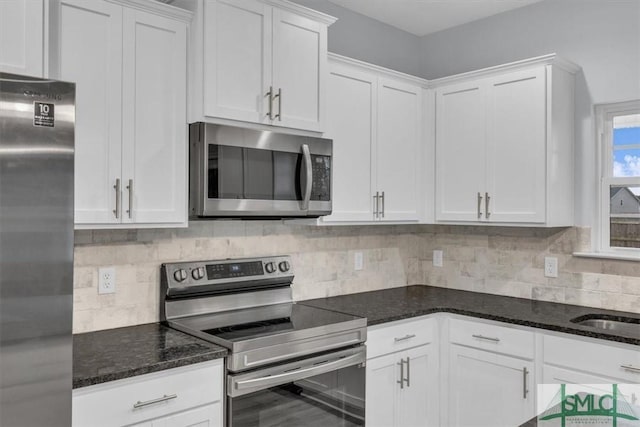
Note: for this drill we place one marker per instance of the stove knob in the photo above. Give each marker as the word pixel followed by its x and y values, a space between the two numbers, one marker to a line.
pixel 284 266
pixel 198 273
pixel 180 275
pixel 270 267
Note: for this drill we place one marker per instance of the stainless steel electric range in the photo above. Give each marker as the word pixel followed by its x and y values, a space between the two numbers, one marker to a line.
pixel 289 364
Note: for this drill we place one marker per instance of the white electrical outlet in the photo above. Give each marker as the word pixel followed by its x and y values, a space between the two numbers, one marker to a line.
pixel 358 261
pixel 437 258
pixel 550 266
pixel 106 280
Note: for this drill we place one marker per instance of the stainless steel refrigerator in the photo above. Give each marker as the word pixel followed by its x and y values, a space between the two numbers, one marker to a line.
pixel 36 251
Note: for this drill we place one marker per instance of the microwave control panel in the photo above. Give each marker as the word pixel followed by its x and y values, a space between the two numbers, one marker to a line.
pixel 321 188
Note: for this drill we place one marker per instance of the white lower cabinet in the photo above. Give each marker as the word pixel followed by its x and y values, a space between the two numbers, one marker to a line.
pixel 402 386
pixel 488 389
pixel 180 397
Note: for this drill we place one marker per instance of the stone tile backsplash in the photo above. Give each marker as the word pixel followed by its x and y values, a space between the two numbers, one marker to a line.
pixel 497 260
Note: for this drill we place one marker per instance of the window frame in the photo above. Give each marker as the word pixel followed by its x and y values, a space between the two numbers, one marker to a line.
pixel 605 114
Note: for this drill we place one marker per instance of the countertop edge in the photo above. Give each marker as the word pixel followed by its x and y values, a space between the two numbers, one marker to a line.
pixel 148 369
pixel 511 321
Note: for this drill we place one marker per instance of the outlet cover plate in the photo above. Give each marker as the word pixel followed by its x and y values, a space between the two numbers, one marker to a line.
pixel 437 258
pixel 106 280
pixel 550 266
pixel 358 261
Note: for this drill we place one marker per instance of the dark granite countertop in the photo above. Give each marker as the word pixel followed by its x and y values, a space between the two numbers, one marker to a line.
pixel 115 354
pixel 411 301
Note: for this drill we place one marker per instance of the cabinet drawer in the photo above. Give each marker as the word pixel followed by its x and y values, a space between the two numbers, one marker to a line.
pixel 400 335
pixel 112 404
pixel 492 337
pixel 594 358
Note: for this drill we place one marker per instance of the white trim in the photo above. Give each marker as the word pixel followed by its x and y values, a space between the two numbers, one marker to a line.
pixel 604 114
pixel 608 255
pixel 157 8
pixel 302 11
pixel 550 59
pixel 386 72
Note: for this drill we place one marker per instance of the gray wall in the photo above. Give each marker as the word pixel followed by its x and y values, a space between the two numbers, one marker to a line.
pixel 366 39
pixel 602 36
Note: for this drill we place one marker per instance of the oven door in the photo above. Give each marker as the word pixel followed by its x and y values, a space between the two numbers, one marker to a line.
pixel 326 390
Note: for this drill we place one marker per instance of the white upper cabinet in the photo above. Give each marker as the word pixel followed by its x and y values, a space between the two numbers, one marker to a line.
pixel 460 150
pixel 154 109
pixel 237 59
pixel 374 117
pixel 504 144
pixel 129 67
pixel 22 37
pixel 351 101
pixel 93 62
pixel 397 157
pixel 299 68
pixel 258 62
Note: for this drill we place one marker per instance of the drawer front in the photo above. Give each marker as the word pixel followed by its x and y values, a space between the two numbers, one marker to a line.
pixel 495 338
pixel 112 404
pixel 400 335
pixel 595 358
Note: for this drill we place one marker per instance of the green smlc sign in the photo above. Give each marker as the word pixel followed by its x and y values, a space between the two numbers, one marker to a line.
pixel 588 405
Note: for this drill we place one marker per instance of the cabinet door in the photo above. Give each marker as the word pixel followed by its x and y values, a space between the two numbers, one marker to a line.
pixel 487 389
pixel 351 101
pixel 299 68
pixel 237 59
pixel 460 151
pixel 516 141
pixel 397 157
pixel 94 62
pixel 557 375
pixel 154 119
pixel 21 37
pixel 383 374
pixel 418 400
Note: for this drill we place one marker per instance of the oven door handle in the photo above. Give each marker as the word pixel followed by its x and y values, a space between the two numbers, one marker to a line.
pixel 309 177
pixel 262 383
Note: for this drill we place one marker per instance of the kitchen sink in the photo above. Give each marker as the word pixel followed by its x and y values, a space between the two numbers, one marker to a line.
pixel 610 323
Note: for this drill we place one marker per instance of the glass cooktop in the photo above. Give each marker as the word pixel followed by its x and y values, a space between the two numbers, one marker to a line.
pixel 266 321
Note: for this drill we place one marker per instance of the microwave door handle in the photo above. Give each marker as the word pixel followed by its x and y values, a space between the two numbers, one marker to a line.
pixel 309 176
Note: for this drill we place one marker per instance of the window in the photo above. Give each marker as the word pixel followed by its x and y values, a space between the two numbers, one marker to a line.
pixel 619 131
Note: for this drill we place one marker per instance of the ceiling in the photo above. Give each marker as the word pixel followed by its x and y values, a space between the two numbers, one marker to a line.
pixel 422 17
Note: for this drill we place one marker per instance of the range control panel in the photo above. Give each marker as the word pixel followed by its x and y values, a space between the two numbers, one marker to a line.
pixel 229 270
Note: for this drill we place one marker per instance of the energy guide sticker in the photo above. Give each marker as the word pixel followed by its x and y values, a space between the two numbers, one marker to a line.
pixel 43 114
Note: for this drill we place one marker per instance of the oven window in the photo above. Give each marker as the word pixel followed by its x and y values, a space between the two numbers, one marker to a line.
pixel 331 399
pixel 249 173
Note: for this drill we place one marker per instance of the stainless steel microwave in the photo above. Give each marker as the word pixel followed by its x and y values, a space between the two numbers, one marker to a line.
pixel 238 172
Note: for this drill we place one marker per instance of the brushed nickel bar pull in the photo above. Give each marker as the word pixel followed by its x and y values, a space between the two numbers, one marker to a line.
pixel 401 381
pixel 116 187
pixel 525 389
pixel 270 95
pixel 164 398
pixel 404 338
pixel 382 204
pixel 376 213
pixel 408 372
pixel 479 205
pixel 279 96
pixel 130 188
pixel 482 337
pixel 486 205
pixel 630 368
